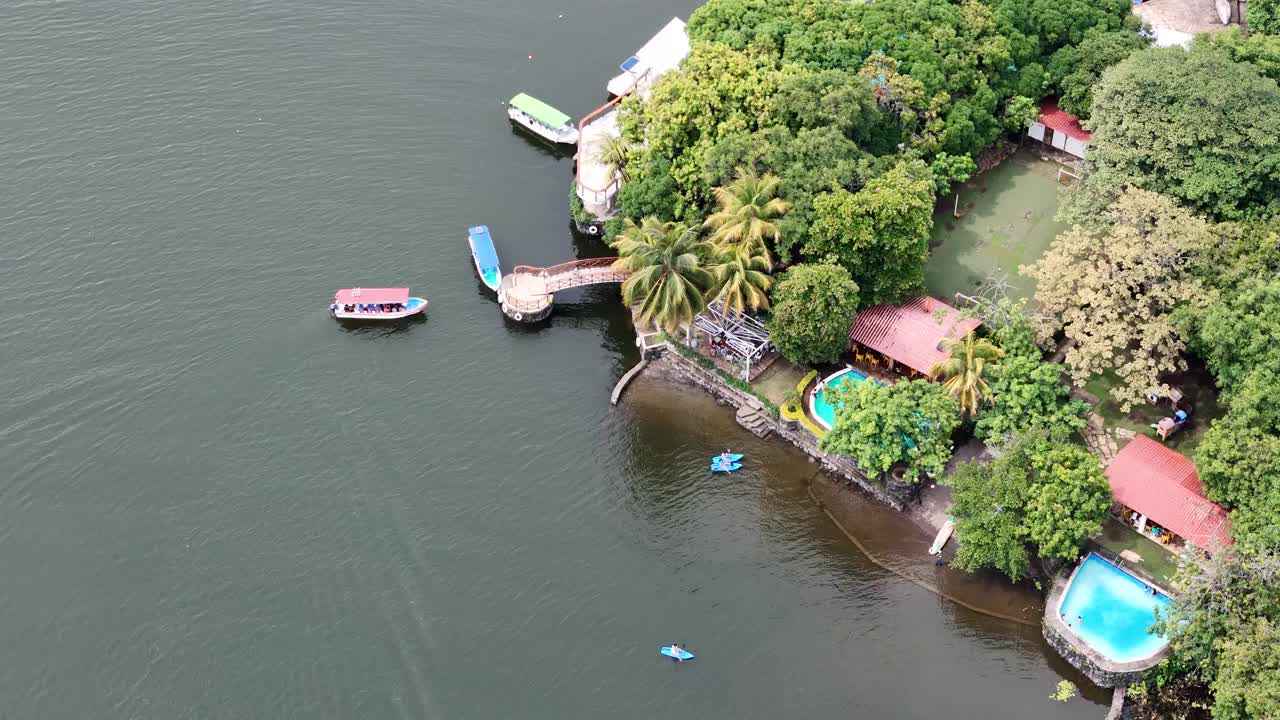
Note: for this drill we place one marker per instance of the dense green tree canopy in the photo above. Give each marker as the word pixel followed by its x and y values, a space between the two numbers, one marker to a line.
pixel 1040 494
pixel 986 502
pixel 1221 628
pixel 908 422
pixel 1075 69
pixel 1026 392
pixel 1255 47
pixel 1195 125
pixel 880 234
pixel 813 308
pixel 1263 16
pixel 828 95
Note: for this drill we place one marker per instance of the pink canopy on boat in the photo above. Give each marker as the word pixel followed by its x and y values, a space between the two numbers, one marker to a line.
pixel 371 295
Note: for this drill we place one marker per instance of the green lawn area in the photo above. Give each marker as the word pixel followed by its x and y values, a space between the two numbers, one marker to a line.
pixel 1157 562
pixel 778 378
pixel 1198 389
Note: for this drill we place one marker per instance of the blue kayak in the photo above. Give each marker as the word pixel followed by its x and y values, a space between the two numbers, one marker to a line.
pixel 733 457
pixel 717 466
pixel 680 654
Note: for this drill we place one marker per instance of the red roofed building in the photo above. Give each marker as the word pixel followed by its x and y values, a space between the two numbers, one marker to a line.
pixel 910 334
pixel 1060 129
pixel 1162 487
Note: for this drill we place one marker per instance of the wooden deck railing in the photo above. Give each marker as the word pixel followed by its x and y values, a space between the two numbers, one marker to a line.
pixel 603 195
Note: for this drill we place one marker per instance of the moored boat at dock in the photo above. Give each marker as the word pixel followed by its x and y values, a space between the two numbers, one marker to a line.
pixel 485 256
pixel 375 304
pixel 542 120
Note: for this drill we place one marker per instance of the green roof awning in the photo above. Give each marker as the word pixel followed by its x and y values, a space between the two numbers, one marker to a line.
pixel 540 111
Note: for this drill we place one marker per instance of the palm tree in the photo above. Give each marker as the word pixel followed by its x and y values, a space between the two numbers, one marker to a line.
pixel 741 279
pixel 612 153
pixel 667 283
pixel 963 370
pixel 749 210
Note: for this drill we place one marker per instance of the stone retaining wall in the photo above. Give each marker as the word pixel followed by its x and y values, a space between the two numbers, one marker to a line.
pixel 1103 672
pixel 896 496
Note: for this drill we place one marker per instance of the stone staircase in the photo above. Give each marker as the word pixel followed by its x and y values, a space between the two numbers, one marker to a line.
pixel 753 417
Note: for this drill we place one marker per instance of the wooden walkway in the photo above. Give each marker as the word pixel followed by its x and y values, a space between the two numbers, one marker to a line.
pixel 527 294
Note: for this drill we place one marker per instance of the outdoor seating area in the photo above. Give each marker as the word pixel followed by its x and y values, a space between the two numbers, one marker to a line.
pixel 1158 493
pixel 737 344
pixel 907 339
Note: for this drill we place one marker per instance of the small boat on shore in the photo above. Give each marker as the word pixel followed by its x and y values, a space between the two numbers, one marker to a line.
pixel 542 120
pixel 485 256
pixel 375 304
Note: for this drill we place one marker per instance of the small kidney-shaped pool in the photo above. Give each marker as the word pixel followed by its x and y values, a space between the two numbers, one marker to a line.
pixel 1112 610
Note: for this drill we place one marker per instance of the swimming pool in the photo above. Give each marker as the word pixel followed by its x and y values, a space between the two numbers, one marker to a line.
pixel 1115 609
pixel 823 411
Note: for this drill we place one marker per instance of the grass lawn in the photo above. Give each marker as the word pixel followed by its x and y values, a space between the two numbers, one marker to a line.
pixel 1156 560
pixel 1198 388
pixel 778 378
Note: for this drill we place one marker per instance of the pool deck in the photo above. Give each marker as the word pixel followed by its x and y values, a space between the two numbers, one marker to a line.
pixel 1102 671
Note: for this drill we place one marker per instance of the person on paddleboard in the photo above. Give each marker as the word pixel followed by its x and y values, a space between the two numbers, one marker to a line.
pixel 675 652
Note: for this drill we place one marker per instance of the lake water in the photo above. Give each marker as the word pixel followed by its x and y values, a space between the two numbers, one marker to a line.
pixel 219 503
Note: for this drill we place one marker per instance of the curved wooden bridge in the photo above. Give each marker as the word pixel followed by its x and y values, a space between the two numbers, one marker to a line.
pixel 527 293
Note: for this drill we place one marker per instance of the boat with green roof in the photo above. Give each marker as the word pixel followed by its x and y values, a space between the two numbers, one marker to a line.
pixel 541 119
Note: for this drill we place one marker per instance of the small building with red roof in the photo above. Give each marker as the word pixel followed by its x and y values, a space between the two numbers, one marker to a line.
pixel 910 334
pixel 1060 129
pixel 1162 490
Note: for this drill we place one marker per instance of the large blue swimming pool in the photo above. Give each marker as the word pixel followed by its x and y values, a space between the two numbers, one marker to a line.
pixel 1115 609
pixel 825 411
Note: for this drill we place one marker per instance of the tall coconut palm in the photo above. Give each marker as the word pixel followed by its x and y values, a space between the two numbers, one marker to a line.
pixel 612 153
pixel 749 211
pixel 668 283
pixel 742 279
pixel 969 359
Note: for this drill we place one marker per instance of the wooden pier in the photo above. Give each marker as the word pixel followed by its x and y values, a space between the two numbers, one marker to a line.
pixel 527 294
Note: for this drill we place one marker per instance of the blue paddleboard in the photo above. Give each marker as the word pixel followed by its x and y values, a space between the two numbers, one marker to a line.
pixel 683 654
pixel 733 457
pixel 717 467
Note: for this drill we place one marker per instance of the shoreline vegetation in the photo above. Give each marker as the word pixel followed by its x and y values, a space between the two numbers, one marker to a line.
pixel 781 188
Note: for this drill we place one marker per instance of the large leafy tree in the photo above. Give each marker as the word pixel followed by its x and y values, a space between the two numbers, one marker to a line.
pixel 813 309
pixel 741 279
pixel 908 423
pixel 880 234
pixel 1222 629
pixel 667 282
pixel 748 212
pixel 987 502
pixel 1114 290
pixel 964 372
pixel 1263 51
pixel 1076 69
pixel 1069 499
pixel 1040 495
pixel 1263 16
pixel 1193 124
pixel 1026 392
pixel 1241 331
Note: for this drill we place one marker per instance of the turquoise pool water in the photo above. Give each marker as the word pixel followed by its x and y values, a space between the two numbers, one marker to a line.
pixel 825 411
pixel 1115 611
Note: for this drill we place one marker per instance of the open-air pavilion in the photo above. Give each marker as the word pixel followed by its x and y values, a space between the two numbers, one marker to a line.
pixel 739 341
pixel 908 337
pixel 1158 492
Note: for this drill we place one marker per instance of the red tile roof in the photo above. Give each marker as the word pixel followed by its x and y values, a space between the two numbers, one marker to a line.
pixel 1052 116
pixel 909 333
pixel 1163 485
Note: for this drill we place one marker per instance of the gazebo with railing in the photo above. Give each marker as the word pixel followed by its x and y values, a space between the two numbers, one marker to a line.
pixel 740 340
